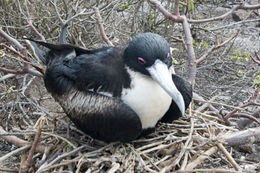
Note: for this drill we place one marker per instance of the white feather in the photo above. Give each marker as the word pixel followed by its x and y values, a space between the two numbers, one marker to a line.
pixel 147 98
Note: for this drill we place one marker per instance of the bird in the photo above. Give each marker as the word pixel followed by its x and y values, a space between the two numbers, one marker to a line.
pixel 116 93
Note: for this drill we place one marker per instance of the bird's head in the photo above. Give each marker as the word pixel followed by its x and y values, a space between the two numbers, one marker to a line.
pixel 149 54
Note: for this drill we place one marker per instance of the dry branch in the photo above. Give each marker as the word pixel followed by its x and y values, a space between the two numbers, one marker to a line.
pixel 201 158
pixel 28 162
pixel 101 27
pixel 249 136
pixel 256 59
pixel 217 46
pixel 229 157
pixel 243 122
pixel 241 6
pixel 22 49
pixel 167 14
pixel 30 21
pixel 20 142
pixel 186 28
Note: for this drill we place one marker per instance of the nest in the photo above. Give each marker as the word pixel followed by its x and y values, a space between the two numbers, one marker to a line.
pixel 198 143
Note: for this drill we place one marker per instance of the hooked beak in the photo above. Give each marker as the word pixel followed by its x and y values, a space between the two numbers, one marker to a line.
pixel 160 73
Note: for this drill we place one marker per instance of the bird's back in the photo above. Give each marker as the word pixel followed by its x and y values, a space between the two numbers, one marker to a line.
pixel 99 70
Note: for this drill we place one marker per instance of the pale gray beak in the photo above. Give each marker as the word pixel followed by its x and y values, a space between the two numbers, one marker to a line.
pixel 161 74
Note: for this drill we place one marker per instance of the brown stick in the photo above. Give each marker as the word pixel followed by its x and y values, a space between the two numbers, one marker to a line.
pixel 243 122
pixel 20 142
pixel 250 117
pixel 230 114
pixel 201 158
pixel 30 21
pixel 256 59
pixel 25 59
pixel 176 8
pixel 241 6
pixel 249 136
pixel 167 14
pixel 209 170
pixel 28 162
pixel 190 51
pixel 229 157
pixel 101 27
pixel 217 46
pixel 22 49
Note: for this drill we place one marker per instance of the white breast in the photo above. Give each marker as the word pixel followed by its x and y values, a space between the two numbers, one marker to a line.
pixel 146 98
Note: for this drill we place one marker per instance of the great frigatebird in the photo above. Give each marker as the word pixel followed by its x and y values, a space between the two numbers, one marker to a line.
pixel 116 93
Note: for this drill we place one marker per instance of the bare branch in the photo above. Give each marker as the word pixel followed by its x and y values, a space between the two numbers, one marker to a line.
pixel 250 117
pixel 22 49
pixel 30 21
pixel 230 114
pixel 190 51
pixel 256 59
pixel 229 157
pixel 101 27
pixel 28 162
pixel 14 41
pixel 19 142
pixel 176 8
pixel 201 158
pixel 243 122
pixel 217 46
pixel 241 6
pixel 249 136
pixel 167 14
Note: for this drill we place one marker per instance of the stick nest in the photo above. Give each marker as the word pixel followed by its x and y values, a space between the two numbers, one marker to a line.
pixel 198 143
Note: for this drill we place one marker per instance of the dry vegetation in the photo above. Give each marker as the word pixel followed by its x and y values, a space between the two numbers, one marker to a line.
pixel 221 132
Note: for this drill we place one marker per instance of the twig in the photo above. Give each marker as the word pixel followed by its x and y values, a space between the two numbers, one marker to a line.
pixel 201 158
pixel 182 152
pixel 30 21
pixel 250 117
pixel 209 116
pixel 101 27
pixel 217 46
pixel 232 24
pixel 256 59
pixel 167 14
pixel 22 49
pixel 235 110
pixel 217 103
pixel 24 59
pixel 243 122
pixel 241 6
pixel 249 136
pixel 18 150
pixel 28 162
pixel 19 142
pixel 176 8
pixel 190 51
pixel 6 77
pixel 229 157
pixel 60 157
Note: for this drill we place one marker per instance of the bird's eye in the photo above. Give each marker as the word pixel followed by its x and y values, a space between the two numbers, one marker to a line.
pixel 168 56
pixel 141 60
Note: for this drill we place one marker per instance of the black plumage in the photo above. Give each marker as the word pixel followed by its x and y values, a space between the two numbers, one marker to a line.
pixel 101 90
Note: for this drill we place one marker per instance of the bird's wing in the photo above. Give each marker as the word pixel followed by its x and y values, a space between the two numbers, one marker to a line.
pixel 101 71
pixel 185 89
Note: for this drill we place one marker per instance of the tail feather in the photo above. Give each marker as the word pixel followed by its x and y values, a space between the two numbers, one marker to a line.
pixel 47 45
pixel 62 47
